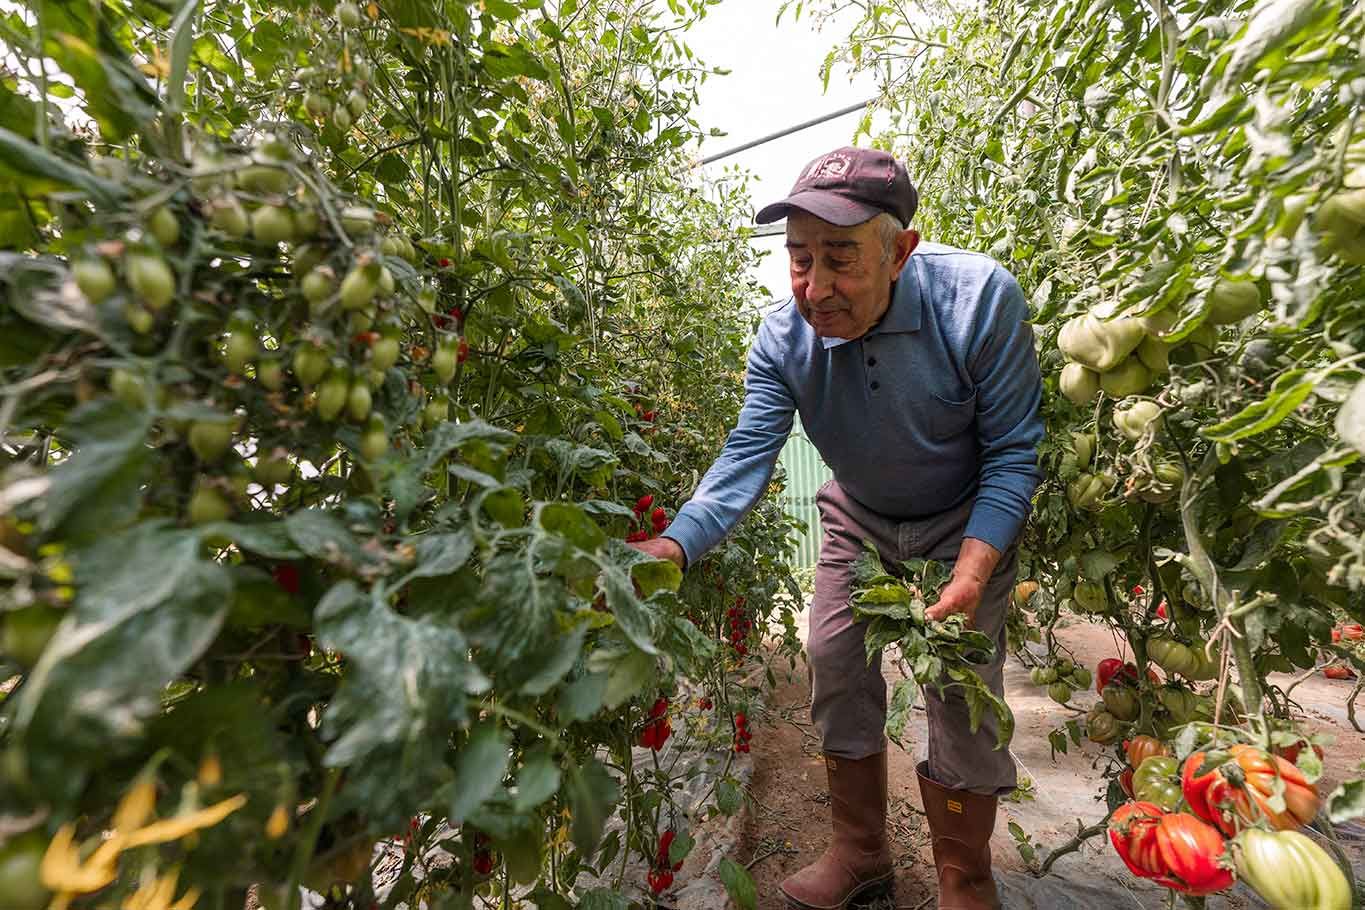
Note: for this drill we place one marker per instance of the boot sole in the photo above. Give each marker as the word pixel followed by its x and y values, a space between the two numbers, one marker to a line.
pixel 883 886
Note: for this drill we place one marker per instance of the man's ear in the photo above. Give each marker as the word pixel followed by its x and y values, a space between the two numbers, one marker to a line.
pixel 906 242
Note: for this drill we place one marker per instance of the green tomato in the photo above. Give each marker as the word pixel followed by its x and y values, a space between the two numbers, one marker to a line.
pixel 1182 704
pixel 128 388
pixel 1081 678
pixel 1087 490
pixel 1155 354
pixel 1083 444
pixel 139 318
pixel 21 885
pixel 1101 727
pixel 1059 692
pixel 164 226
pixel 229 216
pixel 356 102
pixel 1290 872
pixel 1172 656
pixel 356 219
pixel 1097 343
pixel 1134 418
pixel 210 439
pixel 310 364
pixel 273 470
pixel 272 224
pixel 436 412
pixel 270 374
pixel 317 104
pixel 208 505
pixel 374 442
pixel 25 632
pixel 1127 378
pixel 384 353
pixel 1079 384
pixel 151 279
pixel 240 348
pixel 318 287
pixel 358 401
pixel 445 358
pixel 94 278
pixel 357 289
pixel 1232 300
pixel 306 222
pixel 264 178
pixel 348 14
pixel 1043 676
pixel 308 257
pixel 1121 701
pixel 1155 781
pixel 332 395
pixel 386 282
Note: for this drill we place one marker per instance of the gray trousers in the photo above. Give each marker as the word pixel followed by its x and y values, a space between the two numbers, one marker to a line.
pixel 848 701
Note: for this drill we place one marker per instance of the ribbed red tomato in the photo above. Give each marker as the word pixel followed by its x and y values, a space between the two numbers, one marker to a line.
pixel 1132 831
pixel 1192 855
pixel 1225 796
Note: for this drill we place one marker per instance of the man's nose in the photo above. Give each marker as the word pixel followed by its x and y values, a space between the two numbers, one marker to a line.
pixel 819 284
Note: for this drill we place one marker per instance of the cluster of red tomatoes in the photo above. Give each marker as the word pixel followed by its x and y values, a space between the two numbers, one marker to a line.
pixel 742 734
pixel 1349 633
pixel 661 876
pixel 658 520
pixel 1189 825
pixel 657 728
pixel 740 626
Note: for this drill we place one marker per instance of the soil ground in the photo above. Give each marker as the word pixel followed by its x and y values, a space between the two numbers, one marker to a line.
pixel 788 821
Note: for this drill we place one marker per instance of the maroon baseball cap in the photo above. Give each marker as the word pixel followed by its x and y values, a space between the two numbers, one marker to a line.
pixel 848 186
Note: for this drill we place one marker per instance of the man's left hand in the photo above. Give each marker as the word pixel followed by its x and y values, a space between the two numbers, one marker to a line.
pixel 961 595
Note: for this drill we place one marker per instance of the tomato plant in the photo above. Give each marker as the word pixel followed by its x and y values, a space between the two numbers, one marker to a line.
pixel 328 393
pixel 1182 194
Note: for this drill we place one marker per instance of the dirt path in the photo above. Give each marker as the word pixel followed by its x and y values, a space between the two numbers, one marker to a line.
pixel 788 822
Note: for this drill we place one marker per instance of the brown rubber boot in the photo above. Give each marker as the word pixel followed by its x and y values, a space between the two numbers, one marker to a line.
pixel 960 824
pixel 857 863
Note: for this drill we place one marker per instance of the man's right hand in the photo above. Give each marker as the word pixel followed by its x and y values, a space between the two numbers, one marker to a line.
pixel 663 548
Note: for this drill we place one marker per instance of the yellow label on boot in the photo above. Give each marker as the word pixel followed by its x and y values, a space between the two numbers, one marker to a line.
pixel 954 806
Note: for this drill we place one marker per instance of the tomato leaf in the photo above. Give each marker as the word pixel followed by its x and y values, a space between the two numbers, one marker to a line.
pixel 738 884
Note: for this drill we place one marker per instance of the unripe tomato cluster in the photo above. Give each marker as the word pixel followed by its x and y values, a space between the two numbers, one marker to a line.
pixel 1062 678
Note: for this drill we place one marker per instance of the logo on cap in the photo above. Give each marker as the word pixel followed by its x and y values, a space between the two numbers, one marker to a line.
pixel 832 165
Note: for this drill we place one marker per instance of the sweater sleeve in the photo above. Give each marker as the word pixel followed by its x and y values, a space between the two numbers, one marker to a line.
pixel 737 479
pixel 1004 366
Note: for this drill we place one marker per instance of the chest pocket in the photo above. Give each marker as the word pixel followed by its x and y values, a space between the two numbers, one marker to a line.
pixel 948 418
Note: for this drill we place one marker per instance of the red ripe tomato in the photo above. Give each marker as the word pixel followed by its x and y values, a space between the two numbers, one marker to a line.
pixel 1291 753
pixel 1337 671
pixel 1336 636
pixel 1140 748
pixel 659 880
pixel 1161 610
pixel 1132 831
pixel 483 862
pixel 1191 854
pixel 287 577
pixel 1215 797
pixel 1353 631
pixel 643 503
pixel 659 709
pixel 1110 667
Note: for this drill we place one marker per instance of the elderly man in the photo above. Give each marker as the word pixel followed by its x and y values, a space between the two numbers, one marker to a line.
pixel 914 372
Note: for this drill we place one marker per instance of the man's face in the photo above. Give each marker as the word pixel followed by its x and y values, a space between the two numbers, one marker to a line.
pixel 841 276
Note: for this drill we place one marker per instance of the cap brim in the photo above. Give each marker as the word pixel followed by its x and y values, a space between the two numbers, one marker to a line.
pixel 826 206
